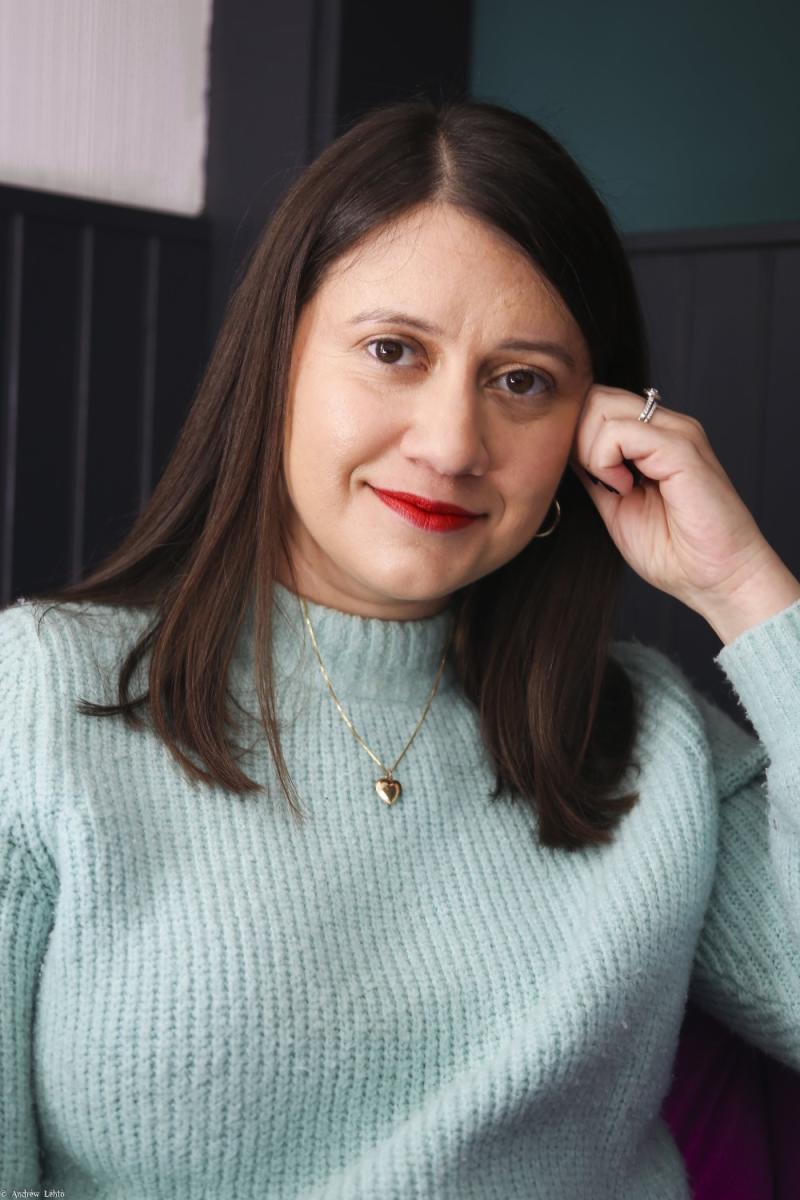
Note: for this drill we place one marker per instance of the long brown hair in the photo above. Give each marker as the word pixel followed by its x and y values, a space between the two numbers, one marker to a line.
pixel 557 712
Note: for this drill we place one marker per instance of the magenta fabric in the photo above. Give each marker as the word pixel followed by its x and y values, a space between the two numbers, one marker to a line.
pixel 735 1115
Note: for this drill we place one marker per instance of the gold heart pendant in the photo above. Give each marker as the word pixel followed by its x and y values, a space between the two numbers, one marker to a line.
pixel 388 790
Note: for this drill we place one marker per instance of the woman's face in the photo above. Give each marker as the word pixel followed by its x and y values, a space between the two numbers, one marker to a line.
pixel 436 402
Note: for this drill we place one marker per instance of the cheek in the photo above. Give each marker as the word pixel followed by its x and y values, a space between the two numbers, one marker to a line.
pixel 535 463
pixel 334 430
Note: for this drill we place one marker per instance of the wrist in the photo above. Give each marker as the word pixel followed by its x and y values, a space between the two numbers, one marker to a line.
pixel 767 591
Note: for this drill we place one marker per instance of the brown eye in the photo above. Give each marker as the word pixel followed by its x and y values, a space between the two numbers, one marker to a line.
pixel 388 350
pixel 520 382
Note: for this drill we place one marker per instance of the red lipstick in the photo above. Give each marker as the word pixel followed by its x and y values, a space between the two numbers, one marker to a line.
pixel 427 514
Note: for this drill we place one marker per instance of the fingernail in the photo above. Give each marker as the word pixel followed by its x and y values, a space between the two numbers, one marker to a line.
pixel 607 486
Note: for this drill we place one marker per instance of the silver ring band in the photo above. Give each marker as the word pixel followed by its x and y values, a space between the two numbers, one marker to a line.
pixel 653 396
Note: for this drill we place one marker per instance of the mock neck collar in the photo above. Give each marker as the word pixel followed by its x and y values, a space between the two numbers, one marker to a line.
pixel 367 658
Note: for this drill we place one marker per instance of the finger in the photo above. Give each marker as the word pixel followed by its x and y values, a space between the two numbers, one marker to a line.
pixel 603 404
pixel 659 453
pixel 601 399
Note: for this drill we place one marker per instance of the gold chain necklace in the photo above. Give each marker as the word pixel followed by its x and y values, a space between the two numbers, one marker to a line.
pixel 387 787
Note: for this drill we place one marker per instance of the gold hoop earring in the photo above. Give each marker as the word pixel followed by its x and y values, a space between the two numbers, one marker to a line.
pixel 547 532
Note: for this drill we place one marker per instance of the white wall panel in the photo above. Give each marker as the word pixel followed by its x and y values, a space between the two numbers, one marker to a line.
pixel 106 99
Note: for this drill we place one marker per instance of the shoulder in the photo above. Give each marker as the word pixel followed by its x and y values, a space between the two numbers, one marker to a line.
pixel 51 657
pixel 20 675
pixel 15 631
pixel 67 644
pixel 677 717
pixel 24 734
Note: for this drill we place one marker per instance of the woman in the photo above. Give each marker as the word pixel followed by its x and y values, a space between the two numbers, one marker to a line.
pixel 444 947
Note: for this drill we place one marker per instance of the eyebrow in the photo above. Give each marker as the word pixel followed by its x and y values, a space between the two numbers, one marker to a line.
pixel 388 314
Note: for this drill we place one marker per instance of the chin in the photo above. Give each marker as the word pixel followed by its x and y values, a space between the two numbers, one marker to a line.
pixel 379 578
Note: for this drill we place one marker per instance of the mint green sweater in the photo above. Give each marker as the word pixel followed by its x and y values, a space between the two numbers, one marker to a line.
pixel 203 999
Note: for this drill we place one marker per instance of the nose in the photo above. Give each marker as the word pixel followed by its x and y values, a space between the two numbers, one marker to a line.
pixel 447 431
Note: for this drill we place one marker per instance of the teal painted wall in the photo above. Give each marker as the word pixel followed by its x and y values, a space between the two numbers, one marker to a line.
pixel 683 115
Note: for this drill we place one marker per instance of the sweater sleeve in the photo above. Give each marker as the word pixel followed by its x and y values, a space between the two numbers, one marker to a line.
pixel 746 970
pixel 26 894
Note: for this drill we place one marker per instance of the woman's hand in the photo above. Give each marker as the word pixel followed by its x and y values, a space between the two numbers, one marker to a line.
pixel 684 528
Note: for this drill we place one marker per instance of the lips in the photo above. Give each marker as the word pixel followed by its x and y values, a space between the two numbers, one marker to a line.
pixel 431 519
pixel 432 506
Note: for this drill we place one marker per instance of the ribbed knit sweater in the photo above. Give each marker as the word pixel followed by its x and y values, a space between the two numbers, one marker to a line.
pixel 202 998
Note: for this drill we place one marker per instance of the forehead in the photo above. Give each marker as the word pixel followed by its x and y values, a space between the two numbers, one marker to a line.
pixel 440 248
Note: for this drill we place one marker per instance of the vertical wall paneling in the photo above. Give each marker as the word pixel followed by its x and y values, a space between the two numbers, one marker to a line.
pixel 149 343
pixel 114 449
pixel 104 330
pixel 182 287
pixel 780 495
pixel 84 334
pixel 12 229
pixel 725 385
pixel 45 474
